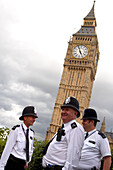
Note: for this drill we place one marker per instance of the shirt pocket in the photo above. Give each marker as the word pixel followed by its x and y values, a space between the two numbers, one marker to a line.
pixel 21 142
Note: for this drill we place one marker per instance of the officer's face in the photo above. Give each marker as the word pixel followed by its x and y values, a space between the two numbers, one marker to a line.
pixel 68 114
pixel 29 120
pixel 88 125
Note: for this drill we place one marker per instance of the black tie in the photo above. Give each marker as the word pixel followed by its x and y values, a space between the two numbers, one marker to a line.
pixel 27 145
pixel 86 135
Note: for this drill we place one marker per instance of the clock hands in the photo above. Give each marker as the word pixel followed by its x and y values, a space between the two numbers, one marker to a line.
pixel 79 50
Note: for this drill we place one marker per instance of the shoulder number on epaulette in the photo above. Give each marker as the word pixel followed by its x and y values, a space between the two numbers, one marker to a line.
pixel 32 130
pixel 73 125
pixel 101 134
pixel 14 127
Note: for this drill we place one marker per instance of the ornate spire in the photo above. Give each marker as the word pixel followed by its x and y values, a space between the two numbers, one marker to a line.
pixel 91 14
pixel 89 24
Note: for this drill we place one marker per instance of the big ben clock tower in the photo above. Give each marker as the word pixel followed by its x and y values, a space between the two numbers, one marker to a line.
pixel 79 71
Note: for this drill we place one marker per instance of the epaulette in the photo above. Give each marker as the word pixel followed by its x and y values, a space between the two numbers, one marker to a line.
pixel 73 125
pixel 14 127
pixel 101 134
pixel 32 130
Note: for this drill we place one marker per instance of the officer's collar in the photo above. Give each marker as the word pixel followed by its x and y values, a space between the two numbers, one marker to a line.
pixel 69 123
pixel 24 126
pixel 89 133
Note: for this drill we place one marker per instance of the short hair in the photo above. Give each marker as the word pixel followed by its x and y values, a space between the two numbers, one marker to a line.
pixel 95 122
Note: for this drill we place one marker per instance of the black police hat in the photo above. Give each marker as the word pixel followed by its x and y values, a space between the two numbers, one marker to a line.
pixel 90 114
pixel 71 102
pixel 28 111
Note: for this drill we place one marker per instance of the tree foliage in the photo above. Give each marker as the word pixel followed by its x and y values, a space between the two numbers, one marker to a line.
pixel 4 131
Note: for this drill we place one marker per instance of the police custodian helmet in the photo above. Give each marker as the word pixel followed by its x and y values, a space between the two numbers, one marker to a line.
pixel 28 111
pixel 90 114
pixel 71 102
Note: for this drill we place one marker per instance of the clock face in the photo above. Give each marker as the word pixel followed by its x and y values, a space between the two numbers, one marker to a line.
pixel 80 51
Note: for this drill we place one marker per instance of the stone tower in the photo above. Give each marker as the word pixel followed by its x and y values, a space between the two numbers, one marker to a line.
pixel 103 126
pixel 79 70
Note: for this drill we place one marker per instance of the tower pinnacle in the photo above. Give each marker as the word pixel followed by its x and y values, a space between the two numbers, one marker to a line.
pixel 91 14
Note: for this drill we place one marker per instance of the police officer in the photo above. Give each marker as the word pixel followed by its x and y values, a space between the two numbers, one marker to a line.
pixel 19 146
pixel 64 150
pixel 96 145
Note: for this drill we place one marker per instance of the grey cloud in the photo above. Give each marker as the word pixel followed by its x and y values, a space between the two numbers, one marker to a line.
pixel 101 100
pixel 103 94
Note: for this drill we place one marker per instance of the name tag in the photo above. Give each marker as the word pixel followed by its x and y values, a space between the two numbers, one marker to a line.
pixel 93 142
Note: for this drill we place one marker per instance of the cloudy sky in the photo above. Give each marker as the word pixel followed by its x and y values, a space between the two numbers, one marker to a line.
pixel 34 37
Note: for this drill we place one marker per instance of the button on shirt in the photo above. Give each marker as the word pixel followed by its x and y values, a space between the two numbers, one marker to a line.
pixel 94 149
pixel 67 151
pixel 16 143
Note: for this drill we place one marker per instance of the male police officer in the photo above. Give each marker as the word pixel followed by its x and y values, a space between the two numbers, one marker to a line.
pixel 64 150
pixel 19 147
pixel 96 145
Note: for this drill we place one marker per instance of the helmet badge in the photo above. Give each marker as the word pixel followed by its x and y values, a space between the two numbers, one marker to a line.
pixel 67 100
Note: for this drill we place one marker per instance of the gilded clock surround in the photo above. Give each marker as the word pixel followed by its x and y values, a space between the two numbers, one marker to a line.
pixel 78 73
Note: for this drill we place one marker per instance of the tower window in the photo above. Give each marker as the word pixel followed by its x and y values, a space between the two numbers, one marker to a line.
pixel 83 38
pixel 88 23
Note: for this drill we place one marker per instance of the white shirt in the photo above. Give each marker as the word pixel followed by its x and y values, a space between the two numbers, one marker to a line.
pixel 15 145
pixel 95 148
pixel 67 151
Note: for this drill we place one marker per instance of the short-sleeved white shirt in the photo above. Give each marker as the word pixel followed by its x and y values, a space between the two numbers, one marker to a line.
pixel 96 146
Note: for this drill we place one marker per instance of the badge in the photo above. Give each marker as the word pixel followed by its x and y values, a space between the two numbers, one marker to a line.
pixel 73 125
pixel 67 100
